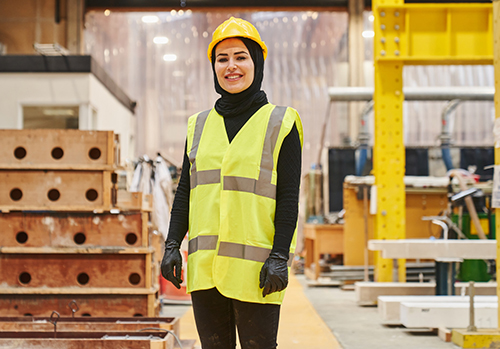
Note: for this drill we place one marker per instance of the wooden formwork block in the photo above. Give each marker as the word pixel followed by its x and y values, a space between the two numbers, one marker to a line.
pixel 91 302
pixel 55 190
pixel 84 323
pixel 367 292
pixel 134 201
pixel 71 229
pixel 58 149
pixel 87 340
pixel 84 267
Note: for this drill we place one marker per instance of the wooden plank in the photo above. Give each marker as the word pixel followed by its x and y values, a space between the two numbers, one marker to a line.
pixel 71 229
pixel 368 292
pixel 56 149
pixel 54 190
pixel 86 343
pixel 76 270
pixel 89 324
pixel 444 334
pixel 452 315
pixel 76 250
pixel 78 290
pixel 388 306
pixel 103 305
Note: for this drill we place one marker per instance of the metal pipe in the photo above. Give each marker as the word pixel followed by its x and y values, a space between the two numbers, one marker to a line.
pixel 472 327
pixel 469 93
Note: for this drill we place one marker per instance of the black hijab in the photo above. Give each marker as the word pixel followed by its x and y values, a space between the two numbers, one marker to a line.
pixel 253 97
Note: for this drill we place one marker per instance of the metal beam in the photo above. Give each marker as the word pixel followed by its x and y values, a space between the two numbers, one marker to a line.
pixel 468 93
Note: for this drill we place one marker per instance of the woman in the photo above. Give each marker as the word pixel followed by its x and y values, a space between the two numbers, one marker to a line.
pixel 238 196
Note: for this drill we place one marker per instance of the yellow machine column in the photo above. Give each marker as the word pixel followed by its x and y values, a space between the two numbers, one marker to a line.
pixel 496 62
pixel 389 150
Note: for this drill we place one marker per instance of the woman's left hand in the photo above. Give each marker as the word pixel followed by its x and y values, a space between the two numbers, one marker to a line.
pixel 274 274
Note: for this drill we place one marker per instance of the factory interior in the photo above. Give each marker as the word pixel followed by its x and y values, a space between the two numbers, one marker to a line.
pixel 396 234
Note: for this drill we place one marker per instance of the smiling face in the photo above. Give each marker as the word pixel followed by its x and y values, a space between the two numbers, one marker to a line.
pixel 233 66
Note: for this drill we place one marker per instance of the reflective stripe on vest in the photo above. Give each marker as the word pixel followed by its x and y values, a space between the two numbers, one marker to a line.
pixel 201 177
pixel 252 253
pixel 203 242
pixel 231 249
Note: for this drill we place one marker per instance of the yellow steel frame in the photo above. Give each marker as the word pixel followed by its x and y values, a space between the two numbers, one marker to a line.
pixel 414 34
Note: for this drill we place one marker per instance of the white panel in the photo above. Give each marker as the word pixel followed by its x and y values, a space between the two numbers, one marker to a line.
pixel 451 315
pixel 388 306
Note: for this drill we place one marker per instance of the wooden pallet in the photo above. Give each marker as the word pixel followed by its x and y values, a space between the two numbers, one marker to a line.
pixel 58 149
pixel 72 229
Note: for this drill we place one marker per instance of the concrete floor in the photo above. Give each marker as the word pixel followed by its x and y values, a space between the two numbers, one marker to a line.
pixel 353 327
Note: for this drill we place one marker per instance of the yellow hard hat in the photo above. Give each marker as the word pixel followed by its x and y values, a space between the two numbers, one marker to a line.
pixel 235 27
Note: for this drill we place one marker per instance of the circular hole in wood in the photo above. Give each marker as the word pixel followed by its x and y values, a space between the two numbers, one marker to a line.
pixel 134 278
pixel 25 278
pixel 28 314
pixel 83 278
pixel 16 194
pixel 20 153
pixel 86 314
pixel 131 238
pixel 79 238
pixel 95 153
pixel 57 153
pixel 138 315
pixel 53 195
pixel 21 237
pixel 91 195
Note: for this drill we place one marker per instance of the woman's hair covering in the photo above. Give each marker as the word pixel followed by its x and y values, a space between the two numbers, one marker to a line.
pixel 233 104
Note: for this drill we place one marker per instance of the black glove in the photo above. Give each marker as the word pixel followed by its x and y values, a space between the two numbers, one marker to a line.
pixel 172 261
pixel 274 273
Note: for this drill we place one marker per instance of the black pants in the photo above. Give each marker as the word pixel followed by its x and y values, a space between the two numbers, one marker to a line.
pixel 217 317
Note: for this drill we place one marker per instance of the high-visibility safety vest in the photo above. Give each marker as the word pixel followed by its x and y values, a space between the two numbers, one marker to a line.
pixel 233 201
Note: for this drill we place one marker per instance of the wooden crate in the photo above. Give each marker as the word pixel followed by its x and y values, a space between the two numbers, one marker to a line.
pixel 58 149
pixel 28 267
pixel 55 190
pixel 103 302
pixel 72 229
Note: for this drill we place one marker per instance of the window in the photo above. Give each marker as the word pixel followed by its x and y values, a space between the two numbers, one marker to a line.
pixel 55 117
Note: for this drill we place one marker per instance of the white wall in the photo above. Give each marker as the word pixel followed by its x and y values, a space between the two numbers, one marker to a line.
pixel 18 89
pixel 113 115
pixel 83 89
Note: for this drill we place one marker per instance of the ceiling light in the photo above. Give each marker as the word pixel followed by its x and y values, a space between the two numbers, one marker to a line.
pixel 150 19
pixel 107 12
pixel 58 112
pixel 368 34
pixel 160 40
pixel 170 57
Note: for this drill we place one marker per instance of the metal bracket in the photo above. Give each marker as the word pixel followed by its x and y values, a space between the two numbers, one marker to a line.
pixel 54 317
pixel 74 307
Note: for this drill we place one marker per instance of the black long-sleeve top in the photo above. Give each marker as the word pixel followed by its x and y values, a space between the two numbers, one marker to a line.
pixel 287 187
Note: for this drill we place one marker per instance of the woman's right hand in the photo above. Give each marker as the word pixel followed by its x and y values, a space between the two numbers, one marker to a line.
pixel 172 262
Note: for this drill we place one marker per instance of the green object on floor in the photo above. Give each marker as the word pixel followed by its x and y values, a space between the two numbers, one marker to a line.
pixel 475 269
